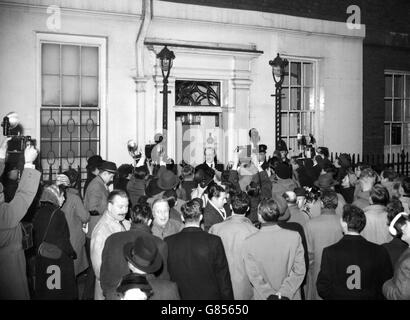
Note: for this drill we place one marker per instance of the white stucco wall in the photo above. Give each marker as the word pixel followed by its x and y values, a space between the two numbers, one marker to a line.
pixel 337 50
pixel 119 25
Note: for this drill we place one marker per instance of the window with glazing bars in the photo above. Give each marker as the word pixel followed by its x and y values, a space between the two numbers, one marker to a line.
pixel 397 111
pixel 70 111
pixel 298 101
pixel 197 93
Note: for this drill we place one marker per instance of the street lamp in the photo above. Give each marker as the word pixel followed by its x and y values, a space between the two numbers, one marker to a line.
pixel 278 72
pixel 166 57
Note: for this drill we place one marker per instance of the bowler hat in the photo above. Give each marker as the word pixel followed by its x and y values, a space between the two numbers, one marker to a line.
pixel 143 254
pixel 108 166
pixel 133 280
pixel 262 148
pixel 325 181
pixel 94 161
pixel 167 180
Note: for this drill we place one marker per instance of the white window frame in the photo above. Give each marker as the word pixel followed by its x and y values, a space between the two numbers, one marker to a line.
pixel 318 112
pixel 388 148
pixel 65 39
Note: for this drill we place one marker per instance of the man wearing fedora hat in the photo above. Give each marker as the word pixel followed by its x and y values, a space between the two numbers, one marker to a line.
pixel 144 259
pixel 321 232
pixel 95 201
pixel 326 182
pixel 114 266
pixel 93 164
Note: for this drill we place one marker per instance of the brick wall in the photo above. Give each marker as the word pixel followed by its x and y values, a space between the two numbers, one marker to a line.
pixel 376 60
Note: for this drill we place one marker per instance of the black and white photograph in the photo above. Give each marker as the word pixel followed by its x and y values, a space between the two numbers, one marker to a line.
pixel 205 151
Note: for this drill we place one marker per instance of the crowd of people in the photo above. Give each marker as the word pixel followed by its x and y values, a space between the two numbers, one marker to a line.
pixel 264 227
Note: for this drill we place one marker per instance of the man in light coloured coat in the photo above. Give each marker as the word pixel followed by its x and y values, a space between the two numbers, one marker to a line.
pixel 274 257
pixel 112 221
pixel 376 229
pixel 321 232
pixel 13 279
pixel 233 232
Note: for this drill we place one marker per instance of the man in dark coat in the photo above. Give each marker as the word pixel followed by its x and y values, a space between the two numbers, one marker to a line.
pixel 214 211
pixel 143 258
pixel 210 161
pixel 114 265
pixel 353 268
pixel 197 260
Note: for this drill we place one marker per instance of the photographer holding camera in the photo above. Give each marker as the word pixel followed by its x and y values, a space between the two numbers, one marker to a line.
pixel 13 278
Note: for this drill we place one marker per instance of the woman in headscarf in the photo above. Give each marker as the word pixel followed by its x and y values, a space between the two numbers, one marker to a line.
pixel 76 216
pixel 54 278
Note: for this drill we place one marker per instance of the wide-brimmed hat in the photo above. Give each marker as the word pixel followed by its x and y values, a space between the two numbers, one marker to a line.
pixel 94 161
pixel 108 166
pixel 167 180
pixel 325 181
pixel 133 280
pixel 152 188
pixel 143 254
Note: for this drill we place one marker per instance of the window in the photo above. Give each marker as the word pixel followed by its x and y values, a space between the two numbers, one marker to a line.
pixel 70 106
pixel 197 93
pixel 298 101
pixel 397 111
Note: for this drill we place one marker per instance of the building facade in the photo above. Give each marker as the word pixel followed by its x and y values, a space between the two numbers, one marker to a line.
pixel 85 78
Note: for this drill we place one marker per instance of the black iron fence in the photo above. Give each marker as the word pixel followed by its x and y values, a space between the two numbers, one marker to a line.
pixel 397 161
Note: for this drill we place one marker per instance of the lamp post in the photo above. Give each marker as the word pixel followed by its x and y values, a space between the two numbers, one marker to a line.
pixel 166 57
pixel 278 72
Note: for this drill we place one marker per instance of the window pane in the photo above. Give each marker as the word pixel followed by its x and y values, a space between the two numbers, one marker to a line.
pixel 50 124
pixel 295 98
pixel 89 148
pixel 308 99
pixel 89 125
pixel 294 128
pixel 285 99
pixel 71 60
pixel 71 93
pixel 407 110
pixel 399 86
pixel 89 92
pixel 406 134
pixel 308 74
pixel 388 110
pixel 408 86
pixel 397 110
pixel 89 61
pixel 50 58
pixel 293 144
pixel 285 124
pixel 396 134
pixel 388 85
pixel 70 124
pixel 307 123
pixel 295 76
pixel 69 151
pixel 286 77
pixel 50 90
pixel 50 152
pixel 387 134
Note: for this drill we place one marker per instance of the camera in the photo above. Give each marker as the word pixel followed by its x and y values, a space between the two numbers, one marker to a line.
pixel 12 128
